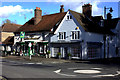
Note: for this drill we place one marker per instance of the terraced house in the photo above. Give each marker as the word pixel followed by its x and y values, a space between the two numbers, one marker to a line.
pixel 80 35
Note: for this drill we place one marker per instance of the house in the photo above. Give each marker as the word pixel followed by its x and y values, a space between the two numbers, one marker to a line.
pixel 6 35
pixel 37 32
pixel 81 35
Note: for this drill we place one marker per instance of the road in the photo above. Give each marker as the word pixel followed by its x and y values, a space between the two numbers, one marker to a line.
pixel 16 69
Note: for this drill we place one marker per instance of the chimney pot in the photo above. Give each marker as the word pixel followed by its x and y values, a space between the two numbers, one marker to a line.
pixel 38 15
pixel 87 10
pixel 61 9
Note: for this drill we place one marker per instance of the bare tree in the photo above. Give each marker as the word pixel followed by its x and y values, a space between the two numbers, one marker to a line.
pixel 7 21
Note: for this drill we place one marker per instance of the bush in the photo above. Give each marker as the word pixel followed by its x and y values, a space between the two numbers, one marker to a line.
pixel 58 53
pixel 69 54
pixel 48 52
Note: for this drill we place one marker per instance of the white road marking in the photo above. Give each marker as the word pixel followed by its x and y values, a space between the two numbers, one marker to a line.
pixel 87 71
pixel 118 72
pixel 38 63
pixel 58 72
pixel 66 74
pixel 29 63
pixel 108 75
pixel 97 68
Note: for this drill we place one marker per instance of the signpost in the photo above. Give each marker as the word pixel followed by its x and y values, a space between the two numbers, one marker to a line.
pixel 22 35
pixel 30 51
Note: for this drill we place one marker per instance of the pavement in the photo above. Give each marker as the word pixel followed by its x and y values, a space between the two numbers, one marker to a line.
pixel 39 59
pixel 36 59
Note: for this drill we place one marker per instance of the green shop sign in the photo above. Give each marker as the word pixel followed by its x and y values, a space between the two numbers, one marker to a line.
pixel 22 34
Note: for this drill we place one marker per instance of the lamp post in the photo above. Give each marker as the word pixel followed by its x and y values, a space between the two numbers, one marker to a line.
pixel 111 10
pixel 106 37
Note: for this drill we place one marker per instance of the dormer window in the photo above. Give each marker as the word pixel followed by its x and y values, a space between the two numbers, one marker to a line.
pixel 62 35
pixel 75 35
pixel 69 17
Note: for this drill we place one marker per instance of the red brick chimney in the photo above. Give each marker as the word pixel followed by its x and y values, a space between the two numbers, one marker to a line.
pixel 61 9
pixel 38 15
pixel 87 10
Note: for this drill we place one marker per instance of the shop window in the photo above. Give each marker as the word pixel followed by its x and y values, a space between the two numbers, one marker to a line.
pixel 75 51
pixel 93 51
pixel 56 50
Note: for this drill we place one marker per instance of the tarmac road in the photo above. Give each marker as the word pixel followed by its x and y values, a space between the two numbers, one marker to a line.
pixel 36 70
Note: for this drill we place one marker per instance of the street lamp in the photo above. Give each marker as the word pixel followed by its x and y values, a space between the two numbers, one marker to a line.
pixel 110 9
pixel 106 37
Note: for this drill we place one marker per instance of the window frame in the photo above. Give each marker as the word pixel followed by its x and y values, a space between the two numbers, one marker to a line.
pixel 75 35
pixel 62 36
pixel 69 17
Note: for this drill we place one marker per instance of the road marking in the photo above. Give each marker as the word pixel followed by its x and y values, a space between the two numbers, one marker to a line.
pixel 97 68
pixel 38 63
pixel 108 75
pixel 118 72
pixel 87 71
pixel 29 63
pixel 59 70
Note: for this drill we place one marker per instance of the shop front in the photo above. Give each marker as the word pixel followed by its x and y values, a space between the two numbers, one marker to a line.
pixel 37 48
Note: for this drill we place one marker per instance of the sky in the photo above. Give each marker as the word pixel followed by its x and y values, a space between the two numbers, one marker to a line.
pixel 20 11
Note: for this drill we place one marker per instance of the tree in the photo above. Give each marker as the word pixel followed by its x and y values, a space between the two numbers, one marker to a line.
pixel 7 21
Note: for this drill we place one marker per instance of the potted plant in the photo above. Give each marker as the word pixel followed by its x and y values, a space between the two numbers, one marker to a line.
pixel 48 53
pixel 59 55
pixel 69 55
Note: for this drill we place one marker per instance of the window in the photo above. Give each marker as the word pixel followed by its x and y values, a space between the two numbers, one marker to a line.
pixel 56 50
pixel 94 50
pixel 69 17
pixel 75 35
pixel 75 51
pixel 62 35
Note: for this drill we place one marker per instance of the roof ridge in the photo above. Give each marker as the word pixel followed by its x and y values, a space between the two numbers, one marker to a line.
pixel 75 12
pixel 12 23
pixel 53 14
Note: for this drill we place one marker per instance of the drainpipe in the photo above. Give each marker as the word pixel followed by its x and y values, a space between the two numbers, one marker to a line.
pixel 104 38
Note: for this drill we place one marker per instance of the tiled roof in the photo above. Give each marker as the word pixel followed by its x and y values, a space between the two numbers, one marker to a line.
pixel 89 25
pixel 46 24
pixel 49 21
pixel 10 27
pixel 9 41
pixel 111 24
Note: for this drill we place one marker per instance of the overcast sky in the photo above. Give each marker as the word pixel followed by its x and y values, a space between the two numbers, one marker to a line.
pixel 20 11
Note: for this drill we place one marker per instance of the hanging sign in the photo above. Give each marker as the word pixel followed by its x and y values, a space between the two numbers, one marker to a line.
pixel 22 34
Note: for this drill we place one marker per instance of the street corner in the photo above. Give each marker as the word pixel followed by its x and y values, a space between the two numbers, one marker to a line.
pixel 2 78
